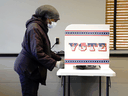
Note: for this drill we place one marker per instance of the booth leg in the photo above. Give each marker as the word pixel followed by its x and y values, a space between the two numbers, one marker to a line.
pixel 68 85
pixel 107 85
pixel 63 85
pixel 99 85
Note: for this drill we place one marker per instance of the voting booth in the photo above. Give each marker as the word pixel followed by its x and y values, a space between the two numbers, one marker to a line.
pixel 86 44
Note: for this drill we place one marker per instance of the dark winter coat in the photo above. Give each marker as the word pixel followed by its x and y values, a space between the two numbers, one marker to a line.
pixel 36 51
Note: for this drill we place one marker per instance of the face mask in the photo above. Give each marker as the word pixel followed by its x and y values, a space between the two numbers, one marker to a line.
pixel 52 25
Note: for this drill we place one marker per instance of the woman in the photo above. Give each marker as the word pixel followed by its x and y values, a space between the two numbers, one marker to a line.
pixel 36 55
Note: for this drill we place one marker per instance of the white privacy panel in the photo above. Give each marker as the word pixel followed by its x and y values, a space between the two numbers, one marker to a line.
pixel 87 44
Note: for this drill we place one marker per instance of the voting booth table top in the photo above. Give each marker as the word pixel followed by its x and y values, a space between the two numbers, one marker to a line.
pixel 87 45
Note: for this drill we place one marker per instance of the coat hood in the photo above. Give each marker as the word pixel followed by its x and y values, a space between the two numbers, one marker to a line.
pixel 38 20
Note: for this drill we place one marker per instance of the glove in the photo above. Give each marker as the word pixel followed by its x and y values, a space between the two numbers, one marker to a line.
pixel 60 64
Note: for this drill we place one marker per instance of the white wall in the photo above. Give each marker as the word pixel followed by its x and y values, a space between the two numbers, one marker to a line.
pixel 15 13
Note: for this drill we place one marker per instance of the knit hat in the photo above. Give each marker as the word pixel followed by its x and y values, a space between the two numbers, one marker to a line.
pixel 47 11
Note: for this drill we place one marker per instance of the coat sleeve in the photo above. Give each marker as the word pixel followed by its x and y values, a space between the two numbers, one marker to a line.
pixel 36 47
pixel 55 56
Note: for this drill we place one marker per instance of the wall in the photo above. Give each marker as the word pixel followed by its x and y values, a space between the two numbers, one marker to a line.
pixel 71 12
pixel 80 86
pixel 120 82
pixel 15 13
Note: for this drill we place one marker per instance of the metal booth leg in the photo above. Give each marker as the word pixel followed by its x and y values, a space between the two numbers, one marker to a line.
pixel 63 85
pixel 68 85
pixel 108 84
pixel 99 85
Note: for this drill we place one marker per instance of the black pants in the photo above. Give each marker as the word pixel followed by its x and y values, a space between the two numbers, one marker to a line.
pixel 29 85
